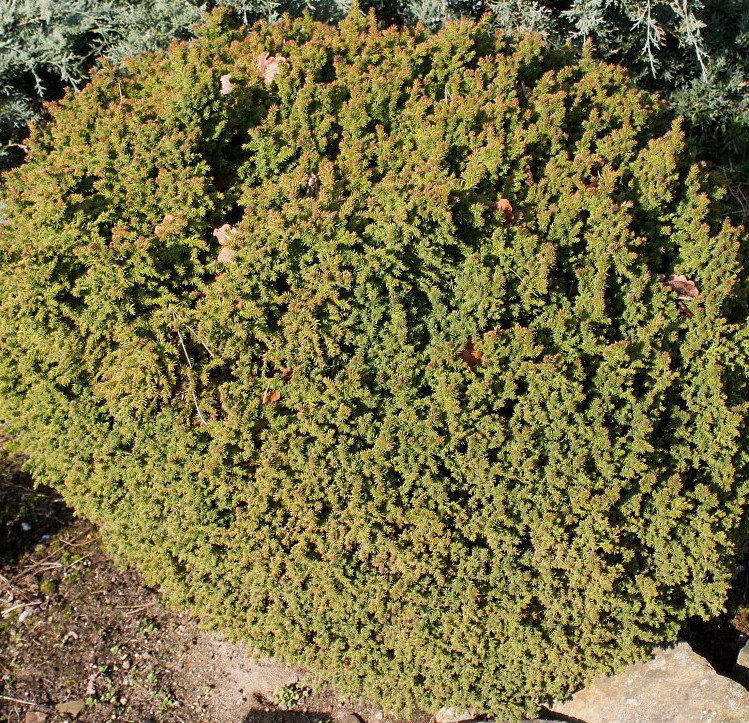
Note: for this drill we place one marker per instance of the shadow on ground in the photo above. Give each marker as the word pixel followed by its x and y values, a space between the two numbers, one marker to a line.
pixel 284 716
pixel 548 715
pixel 28 516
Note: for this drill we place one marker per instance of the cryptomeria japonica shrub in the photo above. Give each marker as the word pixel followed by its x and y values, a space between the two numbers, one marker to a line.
pixel 419 359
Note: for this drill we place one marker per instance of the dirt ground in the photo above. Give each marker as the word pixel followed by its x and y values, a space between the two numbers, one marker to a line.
pixel 83 640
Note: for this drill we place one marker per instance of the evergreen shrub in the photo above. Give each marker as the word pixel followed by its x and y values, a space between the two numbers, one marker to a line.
pixel 47 44
pixel 695 52
pixel 419 359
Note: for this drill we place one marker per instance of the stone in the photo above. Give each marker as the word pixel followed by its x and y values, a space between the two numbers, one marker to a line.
pixel 740 672
pixel 675 686
pixel 453 715
pixel 72 707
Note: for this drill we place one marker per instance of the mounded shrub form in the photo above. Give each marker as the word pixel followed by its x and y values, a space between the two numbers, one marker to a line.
pixel 416 359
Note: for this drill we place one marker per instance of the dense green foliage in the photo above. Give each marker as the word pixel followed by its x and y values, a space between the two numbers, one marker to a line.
pixel 47 44
pixel 300 439
pixel 694 51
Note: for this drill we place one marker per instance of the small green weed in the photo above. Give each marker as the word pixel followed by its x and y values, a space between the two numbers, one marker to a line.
pixel 147 626
pixel 288 696
pixel 48 587
pixel 166 703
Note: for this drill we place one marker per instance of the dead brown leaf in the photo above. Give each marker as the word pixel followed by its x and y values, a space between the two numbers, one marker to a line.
pixel 226 86
pixel 161 228
pixel 683 310
pixel 470 355
pixel 223 234
pixel 226 255
pixel 597 164
pixel 271 396
pixel 505 208
pixel 269 66
pixel 684 288
pixel 313 186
